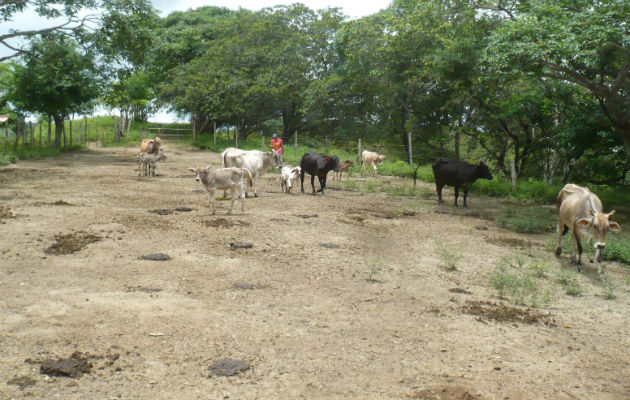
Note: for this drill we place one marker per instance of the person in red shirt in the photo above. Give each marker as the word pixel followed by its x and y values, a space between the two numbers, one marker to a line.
pixel 276 144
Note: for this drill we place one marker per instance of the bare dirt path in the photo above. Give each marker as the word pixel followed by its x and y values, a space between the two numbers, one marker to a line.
pixel 342 296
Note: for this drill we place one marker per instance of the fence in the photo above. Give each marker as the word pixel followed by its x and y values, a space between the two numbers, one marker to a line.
pixel 168 134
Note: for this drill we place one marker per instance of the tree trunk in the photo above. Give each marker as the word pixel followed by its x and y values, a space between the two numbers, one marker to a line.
pixel 457 140
pixel 58 129
pixel 625 134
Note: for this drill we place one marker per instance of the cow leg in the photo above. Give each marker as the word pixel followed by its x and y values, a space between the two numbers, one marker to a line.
pixel 256 184
pixel 322 183
pixel 313 183
pixel 466 188
pixel 362 166
pixel 438 188
pixel 211 193
pixel 233 190
pixel 374 166
pixel 302 180
pixel 578 244
pixel 456 195
pixel 340 176
pixel 561 232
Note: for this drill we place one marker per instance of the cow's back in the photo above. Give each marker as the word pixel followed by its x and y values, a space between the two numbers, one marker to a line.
pixel 570 189
pixel 581 204
pixel 452 172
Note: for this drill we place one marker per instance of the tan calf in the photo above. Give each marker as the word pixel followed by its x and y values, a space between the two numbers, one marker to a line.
pixel 344 166
pixel 371 158
pixel 151 146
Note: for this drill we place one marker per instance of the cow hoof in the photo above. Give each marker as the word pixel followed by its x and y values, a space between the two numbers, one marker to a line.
pixel 255 194
pixel 558 251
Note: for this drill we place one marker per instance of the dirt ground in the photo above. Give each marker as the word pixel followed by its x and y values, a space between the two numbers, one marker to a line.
pixel 342 296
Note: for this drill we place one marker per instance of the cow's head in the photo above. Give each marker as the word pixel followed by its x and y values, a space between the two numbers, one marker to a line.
pixel 202 173
pixel 380 159
pixel 597 226
pixel 483 171
pixel 349 163
pixel 161 157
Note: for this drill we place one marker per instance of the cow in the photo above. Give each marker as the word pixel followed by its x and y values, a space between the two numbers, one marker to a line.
pixel 223 178
pixel 256 161
pixel 344 166
pixel 147 163
pixel 151 146
pixel 317 164
pixel 288 177
pixel 371 158
pixel 457 174
pixel 580 211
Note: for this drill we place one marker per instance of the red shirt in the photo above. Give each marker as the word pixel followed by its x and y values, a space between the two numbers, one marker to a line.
pixel 276 144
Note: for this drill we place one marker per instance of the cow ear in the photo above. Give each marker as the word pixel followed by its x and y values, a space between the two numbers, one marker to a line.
pixel 610 214
pixel 192 170
pixel 614 227
pixel 326 159
pixel 583 221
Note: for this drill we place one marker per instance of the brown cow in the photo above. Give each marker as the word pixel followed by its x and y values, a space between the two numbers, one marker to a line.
pixel 151 146
pixel 344 166
pixel 580 211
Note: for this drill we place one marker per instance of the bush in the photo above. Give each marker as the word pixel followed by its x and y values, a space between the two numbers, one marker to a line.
pixel 522 282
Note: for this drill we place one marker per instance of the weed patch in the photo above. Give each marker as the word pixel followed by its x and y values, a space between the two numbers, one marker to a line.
pixel 522 282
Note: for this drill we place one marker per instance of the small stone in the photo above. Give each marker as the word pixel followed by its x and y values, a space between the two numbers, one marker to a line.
pixel 154 334
pixel 241 245
pixel 228 367
pixel 329 245
pixel 246 286
pixel 183 209
pixel 156 257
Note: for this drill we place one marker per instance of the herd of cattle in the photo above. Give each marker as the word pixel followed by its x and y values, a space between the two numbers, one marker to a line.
pixel 580 210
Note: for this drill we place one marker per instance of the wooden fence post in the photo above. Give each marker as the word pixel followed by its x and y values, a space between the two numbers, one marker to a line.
pixel 103 143
pixel 410 149
pixel 87 138
pixel 24 134
pixel 6 132
pixel 194 131
pixel 64 132
pixel 228 133
pixel 295 144
pixel 214 131
pixel 236 137
pixel 358 151
pixel 80 133
pixel 262 143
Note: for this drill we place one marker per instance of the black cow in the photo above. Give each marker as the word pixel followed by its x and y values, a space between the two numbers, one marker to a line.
pixel 317 164
pixel 457 173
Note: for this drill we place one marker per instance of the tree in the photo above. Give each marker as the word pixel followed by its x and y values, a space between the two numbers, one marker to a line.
pixel 55 79
pixel 585 43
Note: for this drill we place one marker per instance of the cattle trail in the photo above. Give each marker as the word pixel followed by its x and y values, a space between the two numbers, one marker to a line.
pixel 339 296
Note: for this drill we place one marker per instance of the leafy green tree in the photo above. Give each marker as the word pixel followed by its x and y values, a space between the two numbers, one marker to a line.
pixel 55 79
pixel 586 43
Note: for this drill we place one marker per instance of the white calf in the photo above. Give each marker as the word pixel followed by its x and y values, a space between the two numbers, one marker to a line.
pixel 257 162
pixel 288 177
pixel 147 161
pixel 371 158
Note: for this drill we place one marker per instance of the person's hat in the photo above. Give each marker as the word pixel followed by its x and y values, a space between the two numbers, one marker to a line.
pixel 275 135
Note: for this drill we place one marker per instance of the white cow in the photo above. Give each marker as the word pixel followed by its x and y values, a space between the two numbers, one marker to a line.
pixel 581 211
pixel 147 163
pixel 224 178
pixel 371 158
pixel 288 177
pixel 256 161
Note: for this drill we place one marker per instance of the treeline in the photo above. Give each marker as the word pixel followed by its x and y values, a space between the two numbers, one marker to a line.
pixel 542 86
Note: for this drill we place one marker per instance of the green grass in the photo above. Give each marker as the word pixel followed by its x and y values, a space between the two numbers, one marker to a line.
pixel 526 219
pixel 522 281
pixel 449 256
pixel 617 248
pixel 8 155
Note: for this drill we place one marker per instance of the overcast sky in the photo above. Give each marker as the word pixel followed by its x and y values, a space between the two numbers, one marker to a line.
pixel 352 8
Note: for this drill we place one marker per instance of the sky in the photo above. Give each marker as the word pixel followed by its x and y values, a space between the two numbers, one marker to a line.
pixel 352 8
